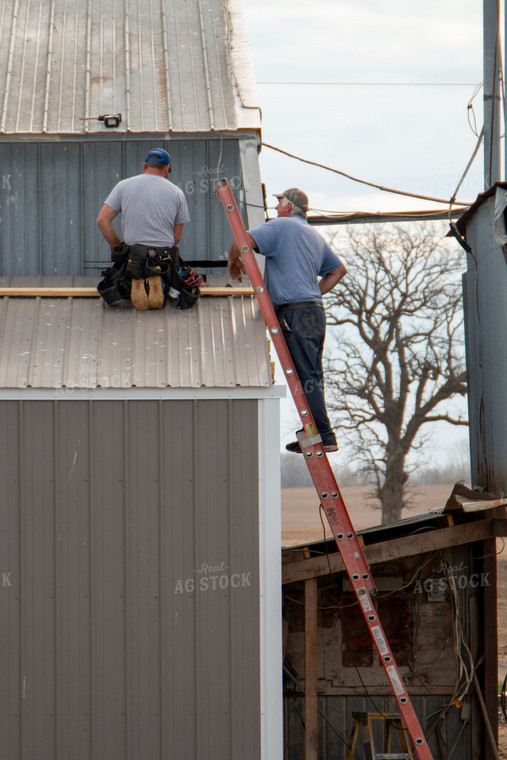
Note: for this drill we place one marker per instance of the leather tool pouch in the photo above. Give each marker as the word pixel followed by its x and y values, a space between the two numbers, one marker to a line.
pixel 136 260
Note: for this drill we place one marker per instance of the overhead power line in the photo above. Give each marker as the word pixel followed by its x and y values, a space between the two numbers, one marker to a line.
pixel 365 182
pixel 373 84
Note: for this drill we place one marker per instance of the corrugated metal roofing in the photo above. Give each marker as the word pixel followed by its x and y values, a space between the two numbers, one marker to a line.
pixel 165 65
pixel 79 343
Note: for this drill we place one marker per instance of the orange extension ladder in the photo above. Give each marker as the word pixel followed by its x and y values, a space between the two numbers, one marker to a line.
pixel 325 482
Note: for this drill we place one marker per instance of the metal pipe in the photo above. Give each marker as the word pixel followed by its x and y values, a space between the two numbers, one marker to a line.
pixel 492 98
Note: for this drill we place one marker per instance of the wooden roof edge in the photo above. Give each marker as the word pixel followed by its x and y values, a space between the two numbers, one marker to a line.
pixel 87 292
pixel 465 498
pixel 406 546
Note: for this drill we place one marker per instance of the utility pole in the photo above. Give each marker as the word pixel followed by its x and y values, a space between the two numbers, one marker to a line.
pixel 492 93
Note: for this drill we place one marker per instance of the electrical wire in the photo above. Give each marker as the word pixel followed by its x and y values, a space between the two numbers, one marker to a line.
pixel 219 171
pixel 465 662
pixel 367 693
pixel 453 201
pixel 322 714
pixel 470 109
pixel 362 181
pixel 465 665
pixel 372 84
pixel 494 554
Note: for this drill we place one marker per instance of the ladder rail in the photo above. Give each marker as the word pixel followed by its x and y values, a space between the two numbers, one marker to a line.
pixel 325 481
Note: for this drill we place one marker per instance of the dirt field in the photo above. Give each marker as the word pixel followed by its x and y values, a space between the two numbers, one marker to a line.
pixel 301 522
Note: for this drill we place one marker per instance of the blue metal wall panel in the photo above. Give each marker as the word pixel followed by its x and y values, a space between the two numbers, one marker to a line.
pixel 60 196
pixel 51 193
pixel 485 320
pixel 20 208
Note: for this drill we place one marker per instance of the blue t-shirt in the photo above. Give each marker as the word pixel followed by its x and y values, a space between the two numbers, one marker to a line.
pixel 296 255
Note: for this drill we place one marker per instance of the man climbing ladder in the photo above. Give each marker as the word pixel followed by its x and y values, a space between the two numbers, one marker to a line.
pixel 296 256
pixel 323 478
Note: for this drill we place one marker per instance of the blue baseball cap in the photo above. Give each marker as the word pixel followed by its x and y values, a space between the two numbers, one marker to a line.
pixel 158 154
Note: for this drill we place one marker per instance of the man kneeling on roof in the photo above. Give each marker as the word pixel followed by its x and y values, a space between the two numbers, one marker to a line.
pixel 146 260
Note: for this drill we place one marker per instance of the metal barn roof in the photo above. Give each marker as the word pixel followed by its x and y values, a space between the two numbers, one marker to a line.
pixel 79 343
pixel 165 65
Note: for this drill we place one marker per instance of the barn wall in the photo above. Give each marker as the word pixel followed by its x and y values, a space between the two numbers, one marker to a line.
pixel 129 605
pixel 52 191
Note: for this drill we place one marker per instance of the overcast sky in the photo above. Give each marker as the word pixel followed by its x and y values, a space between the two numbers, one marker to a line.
pixel 396 79
pixel 413 136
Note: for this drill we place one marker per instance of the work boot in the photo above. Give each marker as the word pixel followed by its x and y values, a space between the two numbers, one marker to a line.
pixel 138 295
pixel 155 292
pixel 295 448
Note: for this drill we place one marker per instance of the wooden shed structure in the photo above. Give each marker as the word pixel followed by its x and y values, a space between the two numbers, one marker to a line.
pixel 436 597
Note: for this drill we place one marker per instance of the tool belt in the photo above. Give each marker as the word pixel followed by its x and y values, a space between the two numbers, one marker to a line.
pixel 149 260
pixel 140 261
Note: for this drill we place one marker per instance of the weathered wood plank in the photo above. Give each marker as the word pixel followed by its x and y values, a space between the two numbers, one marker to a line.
pixel 57 292
pixel 398 547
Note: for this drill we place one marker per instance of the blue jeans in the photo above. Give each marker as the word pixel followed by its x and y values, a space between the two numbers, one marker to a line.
pixel 304 330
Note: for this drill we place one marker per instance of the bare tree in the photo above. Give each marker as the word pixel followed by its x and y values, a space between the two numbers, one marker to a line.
pixel 399 352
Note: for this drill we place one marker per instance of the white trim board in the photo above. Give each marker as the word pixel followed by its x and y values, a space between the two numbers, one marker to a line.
pixel 140 394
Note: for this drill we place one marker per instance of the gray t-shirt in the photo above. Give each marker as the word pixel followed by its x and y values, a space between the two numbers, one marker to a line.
pixel 150 207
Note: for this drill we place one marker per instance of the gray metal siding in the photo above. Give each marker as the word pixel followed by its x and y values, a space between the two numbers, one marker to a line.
pixel 79 343
pixel 51 193
pixel 129 608
pixel 166 65
pixel 486 317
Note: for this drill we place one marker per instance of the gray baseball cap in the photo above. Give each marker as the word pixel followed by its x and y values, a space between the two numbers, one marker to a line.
pixel 295 196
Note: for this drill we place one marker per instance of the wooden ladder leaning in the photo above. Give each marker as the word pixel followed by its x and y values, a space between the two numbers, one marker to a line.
pixel 363 722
